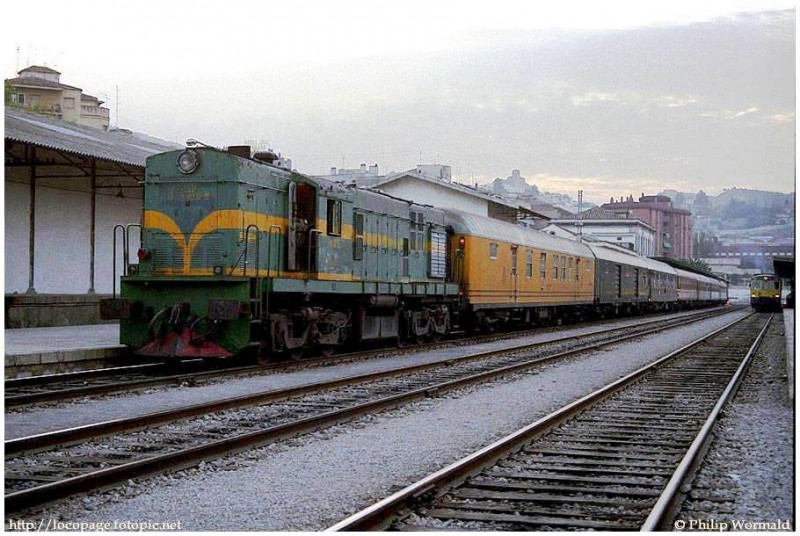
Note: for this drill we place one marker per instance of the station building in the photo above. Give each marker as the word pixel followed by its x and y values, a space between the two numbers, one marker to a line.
pixel 66 188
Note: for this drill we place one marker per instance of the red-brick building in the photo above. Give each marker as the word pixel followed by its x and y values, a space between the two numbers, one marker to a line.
pixel 673 226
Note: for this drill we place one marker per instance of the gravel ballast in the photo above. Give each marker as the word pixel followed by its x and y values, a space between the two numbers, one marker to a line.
pixel 314 481
pixel 747 478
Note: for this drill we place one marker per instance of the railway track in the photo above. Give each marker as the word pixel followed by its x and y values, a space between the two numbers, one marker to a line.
pixel 613 460
pixel 65 386
pixel 45 467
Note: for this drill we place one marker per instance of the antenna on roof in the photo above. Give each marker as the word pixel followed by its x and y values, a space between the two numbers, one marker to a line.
pixel 117 106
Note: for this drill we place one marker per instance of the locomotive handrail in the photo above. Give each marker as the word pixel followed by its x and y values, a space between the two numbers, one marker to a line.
pixel 269 263
pixel 127 258
pixel 311 233
pixel 126 255
pixel 247 246
pixel 114 257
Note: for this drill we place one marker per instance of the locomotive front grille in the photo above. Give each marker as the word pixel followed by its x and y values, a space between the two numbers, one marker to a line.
pixel 207 250
pixel 167 253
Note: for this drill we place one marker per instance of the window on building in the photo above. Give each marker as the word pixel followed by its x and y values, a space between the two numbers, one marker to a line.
pixel 492 250
pixel 334 217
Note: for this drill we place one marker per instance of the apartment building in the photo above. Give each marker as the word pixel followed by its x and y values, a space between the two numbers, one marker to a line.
pixel 39 89
pixel 673 226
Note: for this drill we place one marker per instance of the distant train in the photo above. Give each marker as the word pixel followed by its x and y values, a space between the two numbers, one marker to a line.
pixel 238 252
pixel 765 292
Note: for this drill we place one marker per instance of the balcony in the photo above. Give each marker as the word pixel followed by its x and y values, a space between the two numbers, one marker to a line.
pixel 95 111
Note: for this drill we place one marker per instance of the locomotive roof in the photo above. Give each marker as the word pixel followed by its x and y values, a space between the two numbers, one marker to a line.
pixel 474 225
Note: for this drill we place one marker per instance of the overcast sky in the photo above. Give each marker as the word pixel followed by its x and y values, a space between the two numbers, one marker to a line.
pixel 614 98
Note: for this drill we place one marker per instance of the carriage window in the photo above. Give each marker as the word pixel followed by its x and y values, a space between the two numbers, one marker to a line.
pixel 543 266
pixel 555 266
pixel 577 269
pixel 492 250
pixel 513 260
pixel 569 272
pixel 563 267
pixel 529 264
pixel 334 217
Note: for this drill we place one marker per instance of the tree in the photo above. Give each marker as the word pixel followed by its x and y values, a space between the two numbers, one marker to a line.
pixel 696 264
pixel 8 90
pixel 704 244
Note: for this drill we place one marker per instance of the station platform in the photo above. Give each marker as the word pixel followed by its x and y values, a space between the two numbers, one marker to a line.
pixel 31 351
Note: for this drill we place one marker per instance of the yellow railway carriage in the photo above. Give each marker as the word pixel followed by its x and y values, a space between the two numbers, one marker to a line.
pixel 509 272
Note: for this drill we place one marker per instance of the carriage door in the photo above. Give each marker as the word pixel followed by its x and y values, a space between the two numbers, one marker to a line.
pixel 514 279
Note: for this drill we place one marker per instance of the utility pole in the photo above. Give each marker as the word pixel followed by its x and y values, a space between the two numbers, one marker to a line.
pixel 580 215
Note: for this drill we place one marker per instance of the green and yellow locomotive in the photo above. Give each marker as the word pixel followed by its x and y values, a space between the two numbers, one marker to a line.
pixel 239 252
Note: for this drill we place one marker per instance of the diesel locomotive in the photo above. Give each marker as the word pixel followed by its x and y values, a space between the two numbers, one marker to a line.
pixel 238 252
pixel 765 292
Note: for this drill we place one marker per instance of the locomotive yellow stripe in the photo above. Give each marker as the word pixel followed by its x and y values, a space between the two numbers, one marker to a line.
pixel 229 219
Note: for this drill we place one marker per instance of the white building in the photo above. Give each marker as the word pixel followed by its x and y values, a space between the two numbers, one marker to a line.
pixel 432 184
pixel 607 226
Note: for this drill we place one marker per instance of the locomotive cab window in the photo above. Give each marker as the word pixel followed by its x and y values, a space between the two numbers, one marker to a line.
pixel 334 217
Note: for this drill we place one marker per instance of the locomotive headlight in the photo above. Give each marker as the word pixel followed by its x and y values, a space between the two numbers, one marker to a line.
pixel 188 161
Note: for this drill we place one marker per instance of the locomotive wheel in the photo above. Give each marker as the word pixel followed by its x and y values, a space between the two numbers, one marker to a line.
pixel 328 350
pixel 296 354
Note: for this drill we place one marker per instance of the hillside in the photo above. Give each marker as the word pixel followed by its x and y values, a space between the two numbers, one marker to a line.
pixel 516 188
pixel 738 209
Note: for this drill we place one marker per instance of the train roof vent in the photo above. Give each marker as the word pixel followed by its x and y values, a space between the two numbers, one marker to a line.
pixel 265 156
pixel 242 151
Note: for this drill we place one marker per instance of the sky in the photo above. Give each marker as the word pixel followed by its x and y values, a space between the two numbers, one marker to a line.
pixel 613 98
